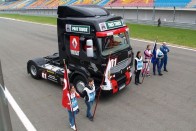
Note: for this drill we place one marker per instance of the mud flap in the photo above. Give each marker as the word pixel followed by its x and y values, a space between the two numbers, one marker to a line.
pixel 114 86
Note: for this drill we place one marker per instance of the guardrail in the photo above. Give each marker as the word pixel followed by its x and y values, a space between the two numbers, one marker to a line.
pixel 5 122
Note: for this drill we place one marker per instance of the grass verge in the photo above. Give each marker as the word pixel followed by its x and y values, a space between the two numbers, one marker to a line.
pixel 182 37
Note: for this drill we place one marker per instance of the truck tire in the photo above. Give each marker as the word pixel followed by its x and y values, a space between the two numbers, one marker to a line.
pixel 33 69
pixel 79 83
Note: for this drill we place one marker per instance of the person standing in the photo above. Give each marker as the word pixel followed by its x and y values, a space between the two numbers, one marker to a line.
pixel 148 55
pixel 138 67
pixel 157 62
pixel 156 59
pixel 71 104
pixel 89 93
pixel 165 50
pixel 159 22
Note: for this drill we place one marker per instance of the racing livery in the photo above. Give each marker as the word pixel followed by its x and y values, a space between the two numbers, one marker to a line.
pixel 93 43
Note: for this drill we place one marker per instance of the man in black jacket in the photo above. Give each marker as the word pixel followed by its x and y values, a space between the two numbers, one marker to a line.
pixel 89 93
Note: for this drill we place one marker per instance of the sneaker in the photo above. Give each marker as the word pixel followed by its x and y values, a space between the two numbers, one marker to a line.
pixel 148 75
pixel 166 70
pixel 90 118
pixel 136 83
pixel 73 127
pixel 160 74
pixel 139 83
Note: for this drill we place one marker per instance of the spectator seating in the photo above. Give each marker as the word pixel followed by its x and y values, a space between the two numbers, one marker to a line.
pixel 26 4
pixel 140 3
pixel 171 3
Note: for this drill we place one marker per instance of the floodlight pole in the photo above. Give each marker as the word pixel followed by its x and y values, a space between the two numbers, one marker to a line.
pixel 137 13
pixel 153 17
pixel 174 17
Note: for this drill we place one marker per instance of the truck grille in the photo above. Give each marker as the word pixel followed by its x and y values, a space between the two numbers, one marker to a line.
pixel 121 65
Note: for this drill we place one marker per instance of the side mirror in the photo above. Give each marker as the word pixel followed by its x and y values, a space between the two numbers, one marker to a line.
pixel 89 49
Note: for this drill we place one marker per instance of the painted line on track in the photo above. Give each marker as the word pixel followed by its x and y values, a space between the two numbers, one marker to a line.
pixel 25 121
pixel 27 21
pixel 146 41
pixel 180 47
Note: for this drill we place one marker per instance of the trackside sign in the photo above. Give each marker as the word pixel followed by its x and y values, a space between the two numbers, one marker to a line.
pixel 83 29
pixel 111 25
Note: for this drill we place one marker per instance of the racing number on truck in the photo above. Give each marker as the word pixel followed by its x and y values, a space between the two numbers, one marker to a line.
pixel 44 74
pixel 113 62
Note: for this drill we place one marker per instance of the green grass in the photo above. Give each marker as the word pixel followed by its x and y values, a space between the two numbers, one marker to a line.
pixel 183 37
pixel 39 19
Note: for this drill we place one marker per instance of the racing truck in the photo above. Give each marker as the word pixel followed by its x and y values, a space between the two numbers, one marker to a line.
pixel 89 36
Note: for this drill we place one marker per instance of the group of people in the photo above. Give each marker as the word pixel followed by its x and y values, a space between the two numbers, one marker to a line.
pixel 158 57
pixel 71 104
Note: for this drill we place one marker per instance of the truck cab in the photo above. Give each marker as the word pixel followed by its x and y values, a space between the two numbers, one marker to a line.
pixel 92 43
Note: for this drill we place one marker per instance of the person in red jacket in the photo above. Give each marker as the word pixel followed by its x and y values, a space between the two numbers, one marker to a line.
pixel 70 102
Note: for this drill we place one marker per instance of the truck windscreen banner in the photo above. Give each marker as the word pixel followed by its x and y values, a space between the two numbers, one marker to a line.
pixel 82 29
pixel 111 25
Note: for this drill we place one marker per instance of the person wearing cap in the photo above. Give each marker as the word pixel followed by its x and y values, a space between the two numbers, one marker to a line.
pixel 165 50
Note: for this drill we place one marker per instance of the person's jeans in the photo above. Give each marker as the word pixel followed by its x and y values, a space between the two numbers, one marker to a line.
pixel 71 117
pixel 89 106
pixel 156 63
pixel 164 62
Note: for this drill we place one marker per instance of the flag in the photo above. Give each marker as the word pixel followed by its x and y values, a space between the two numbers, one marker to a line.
pixel 65 98
pixel 107 72
pixel 154 52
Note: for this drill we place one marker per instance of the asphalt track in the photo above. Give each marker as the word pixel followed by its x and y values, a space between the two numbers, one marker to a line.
pixel 161 103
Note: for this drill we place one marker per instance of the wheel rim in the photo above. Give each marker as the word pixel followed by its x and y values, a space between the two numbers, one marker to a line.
pixel 33 70
pixel 80 86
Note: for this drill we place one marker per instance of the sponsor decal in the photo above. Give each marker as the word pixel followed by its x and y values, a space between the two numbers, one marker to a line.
pixel 52 78
pixel 111 25
pixel 83 29
pixel 75 45
pixel 49 71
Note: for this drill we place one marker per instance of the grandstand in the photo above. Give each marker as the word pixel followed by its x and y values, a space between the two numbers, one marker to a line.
pixel 50 4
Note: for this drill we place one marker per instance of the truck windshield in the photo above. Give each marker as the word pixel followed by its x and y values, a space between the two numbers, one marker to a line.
pixel 114 43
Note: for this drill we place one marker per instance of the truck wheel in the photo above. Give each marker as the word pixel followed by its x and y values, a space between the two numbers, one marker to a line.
pixel 79 83
pixel 33 69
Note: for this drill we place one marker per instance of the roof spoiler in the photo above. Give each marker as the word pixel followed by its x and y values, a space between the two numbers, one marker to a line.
pixel 82 11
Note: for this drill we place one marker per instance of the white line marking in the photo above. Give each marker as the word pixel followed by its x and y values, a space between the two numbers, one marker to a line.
pixel 28 125
pixel 146 41
pixel 152 42
pixel 27 21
